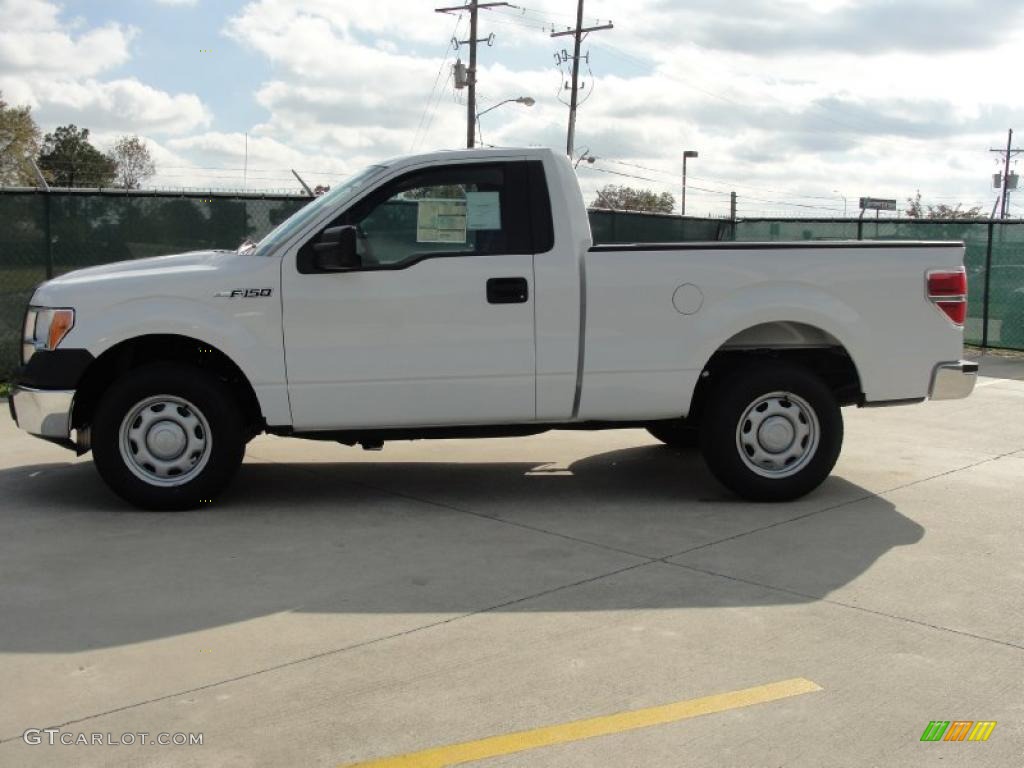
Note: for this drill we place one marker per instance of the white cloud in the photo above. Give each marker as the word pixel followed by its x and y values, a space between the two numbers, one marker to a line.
pixel 56 66
pixel 232 148
pixel 338 96
pixel 232 160
pixel 33 41
pixel 351 82
pixel 871 97
pixel 126 104
pixel 263 22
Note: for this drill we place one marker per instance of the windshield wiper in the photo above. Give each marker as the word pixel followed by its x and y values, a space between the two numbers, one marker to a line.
pixel 248 245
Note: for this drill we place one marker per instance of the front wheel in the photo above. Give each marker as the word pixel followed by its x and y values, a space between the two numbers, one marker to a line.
pixel 772 433
pixel 167 437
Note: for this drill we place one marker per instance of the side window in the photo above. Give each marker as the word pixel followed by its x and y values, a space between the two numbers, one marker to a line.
pixel 456 210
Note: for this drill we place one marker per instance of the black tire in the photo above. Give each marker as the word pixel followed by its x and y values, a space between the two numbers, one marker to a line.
pixel 677 435
pixel 724 441
pixel 218 425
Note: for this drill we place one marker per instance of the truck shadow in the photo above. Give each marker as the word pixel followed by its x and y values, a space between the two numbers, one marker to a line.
pixel 81 570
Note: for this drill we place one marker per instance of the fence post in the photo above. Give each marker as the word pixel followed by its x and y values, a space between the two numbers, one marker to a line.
pixel 988 286
pixel 49 237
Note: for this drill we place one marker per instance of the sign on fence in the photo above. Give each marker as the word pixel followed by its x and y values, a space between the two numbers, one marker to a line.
pixel 877 204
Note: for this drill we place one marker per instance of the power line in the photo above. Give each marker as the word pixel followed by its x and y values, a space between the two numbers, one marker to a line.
pixel 509 20
pixel 543 20
pixel 433 111
pixel 672 174
pixel 646 178
pixel 546 14
pixel 430 99
pixel 723 193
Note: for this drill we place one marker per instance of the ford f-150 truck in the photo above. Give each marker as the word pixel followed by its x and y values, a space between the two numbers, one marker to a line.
pixel 459 294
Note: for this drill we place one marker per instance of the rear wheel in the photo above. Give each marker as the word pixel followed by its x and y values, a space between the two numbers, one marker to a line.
pixel 772 433
pixel 167 437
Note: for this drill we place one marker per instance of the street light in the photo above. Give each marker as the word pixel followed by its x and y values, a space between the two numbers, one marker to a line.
pixel 837 192
pixel 585 156
pixel 526 101
pixel 687 155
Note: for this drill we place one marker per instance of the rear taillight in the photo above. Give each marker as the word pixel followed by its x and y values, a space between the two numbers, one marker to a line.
pixel 947 289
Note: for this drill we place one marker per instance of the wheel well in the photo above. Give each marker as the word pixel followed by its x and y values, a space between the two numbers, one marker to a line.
pixel 832 363
pixel 143 350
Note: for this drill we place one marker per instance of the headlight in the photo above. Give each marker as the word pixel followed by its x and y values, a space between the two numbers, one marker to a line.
pixel 44 329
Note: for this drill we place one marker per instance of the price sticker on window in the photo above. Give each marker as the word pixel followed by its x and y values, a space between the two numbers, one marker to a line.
pixel 483 210
pixel 441 221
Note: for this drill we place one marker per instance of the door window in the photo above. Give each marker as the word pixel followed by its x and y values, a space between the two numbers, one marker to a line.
pixel 456 210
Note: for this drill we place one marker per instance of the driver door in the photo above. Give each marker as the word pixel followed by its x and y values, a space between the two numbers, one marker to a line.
pixel 435 326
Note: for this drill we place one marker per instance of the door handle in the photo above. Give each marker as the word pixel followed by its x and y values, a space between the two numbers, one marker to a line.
pixel 507 290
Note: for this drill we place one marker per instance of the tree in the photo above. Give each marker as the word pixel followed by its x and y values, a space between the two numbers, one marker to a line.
pixel 69 160
pixel 916 210
pixel 436 192
pixel 19 143
pixel 134 163
pixel 618 198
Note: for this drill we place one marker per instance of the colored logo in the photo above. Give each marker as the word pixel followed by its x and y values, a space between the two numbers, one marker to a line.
pixel 958 730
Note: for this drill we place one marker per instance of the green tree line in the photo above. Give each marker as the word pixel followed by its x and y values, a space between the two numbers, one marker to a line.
pixel 66 157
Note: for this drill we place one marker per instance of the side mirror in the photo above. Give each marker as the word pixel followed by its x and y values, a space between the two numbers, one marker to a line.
pixel 336 250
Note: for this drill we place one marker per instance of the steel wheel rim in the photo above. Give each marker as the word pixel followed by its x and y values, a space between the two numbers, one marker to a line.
pixel 778 435
pixel 165 441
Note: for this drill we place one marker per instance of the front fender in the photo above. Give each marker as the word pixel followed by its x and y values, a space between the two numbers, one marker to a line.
pixel 248 331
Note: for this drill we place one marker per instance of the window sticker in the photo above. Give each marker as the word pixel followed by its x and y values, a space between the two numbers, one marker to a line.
pixel 441 221
pixel 483 210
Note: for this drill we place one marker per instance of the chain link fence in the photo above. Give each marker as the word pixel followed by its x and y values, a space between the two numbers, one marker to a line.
pixel 47 234
pixel 994 261
pixel 43 235
pixel 632 227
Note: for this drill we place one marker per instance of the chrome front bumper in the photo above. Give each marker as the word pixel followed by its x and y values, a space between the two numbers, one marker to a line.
pixel 44 413
pixel 952 381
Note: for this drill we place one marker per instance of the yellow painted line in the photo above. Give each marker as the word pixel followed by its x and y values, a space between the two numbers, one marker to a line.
pixel 495 746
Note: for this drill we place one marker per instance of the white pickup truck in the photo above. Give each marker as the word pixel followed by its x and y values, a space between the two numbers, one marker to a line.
pixel 459 294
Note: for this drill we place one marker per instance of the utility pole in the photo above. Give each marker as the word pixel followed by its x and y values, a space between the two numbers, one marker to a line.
pixel 1007 153
pixel 687 155
pixel 578 33
pixel 473 6
pixel 732 206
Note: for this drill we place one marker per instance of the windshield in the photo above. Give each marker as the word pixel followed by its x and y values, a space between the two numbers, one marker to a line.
pixel 289 226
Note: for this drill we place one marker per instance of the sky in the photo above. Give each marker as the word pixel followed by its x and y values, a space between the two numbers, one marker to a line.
pixel 799 106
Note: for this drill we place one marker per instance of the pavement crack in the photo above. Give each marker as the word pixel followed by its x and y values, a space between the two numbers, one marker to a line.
pixel 842 504
pixel 492 518
pixel 337 651
pixel 505 521
pixel 851 606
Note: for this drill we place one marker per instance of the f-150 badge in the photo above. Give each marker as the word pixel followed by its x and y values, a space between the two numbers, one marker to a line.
pixel 245 293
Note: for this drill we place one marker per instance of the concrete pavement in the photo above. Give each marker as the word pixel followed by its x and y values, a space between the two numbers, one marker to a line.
pixel 338 606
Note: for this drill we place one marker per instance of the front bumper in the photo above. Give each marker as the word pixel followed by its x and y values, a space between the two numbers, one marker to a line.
pixel 952 381
pixel 43 395
pixel 44 413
